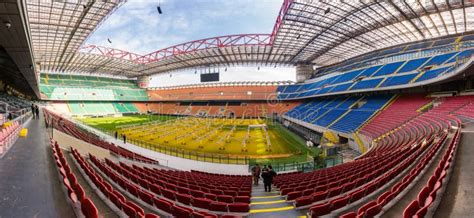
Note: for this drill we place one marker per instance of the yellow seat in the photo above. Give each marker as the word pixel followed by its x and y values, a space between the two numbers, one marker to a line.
pixel 7 124
pixel 24 132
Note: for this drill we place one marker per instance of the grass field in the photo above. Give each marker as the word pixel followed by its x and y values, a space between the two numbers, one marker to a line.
pixel 195 138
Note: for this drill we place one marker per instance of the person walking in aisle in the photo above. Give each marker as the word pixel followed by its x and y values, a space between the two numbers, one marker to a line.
pixel 33 111
pixel 37 112
pixel 256 174
pixel 267 177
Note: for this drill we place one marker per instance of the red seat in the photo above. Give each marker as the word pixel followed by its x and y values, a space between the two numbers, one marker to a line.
pixel 230 192
pixel 168 194
pixel 423 195
pixel 88 209
pixel 339 202
pixel 196 193
pixel 116 200
pixel 150 215
pixel 335 191
pixel 302 201
pixel 366 206
pixel 217 192
pixel 319 196
pixel 201 214
pixel 218 206
pixel 139 211
pixel 225 198
pixel 146 197
pixel 373 211
pixel 411 209
pixel 239 207
pixel 210 196
pixel 320 209
pixel 201 203
pixel 242 199
pixel 294 195
pixel 155 189
pixel 79 191
pixel 182 211
pixel 349 215
pixel 132 189
pixel 183 198
pixel 129 210
pixel 163 205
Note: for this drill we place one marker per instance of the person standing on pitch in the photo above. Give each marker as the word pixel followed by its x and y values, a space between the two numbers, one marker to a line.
pixel 256 174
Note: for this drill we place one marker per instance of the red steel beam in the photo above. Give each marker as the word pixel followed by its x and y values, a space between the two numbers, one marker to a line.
pixel 184 48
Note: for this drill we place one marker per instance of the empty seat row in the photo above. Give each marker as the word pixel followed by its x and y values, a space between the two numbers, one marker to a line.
pixel 8 136
pixel 121 203
pixel 149 191
pixel 428 194
pixel 68 127
pixel 82 205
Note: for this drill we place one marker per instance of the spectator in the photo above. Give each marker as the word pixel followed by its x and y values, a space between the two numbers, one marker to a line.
pixel 33 111
pixel 256 174
pixel 267 177
pixel 37 112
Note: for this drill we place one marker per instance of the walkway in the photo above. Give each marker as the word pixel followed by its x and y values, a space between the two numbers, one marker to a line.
pixel 29 184
pixel 271 204
pixel 459 196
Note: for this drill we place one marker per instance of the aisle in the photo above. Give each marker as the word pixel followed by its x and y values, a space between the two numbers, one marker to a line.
pixel 271 204
pixel 29 184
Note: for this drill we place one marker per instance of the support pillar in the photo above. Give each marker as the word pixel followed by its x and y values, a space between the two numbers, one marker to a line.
pixel 303 72
pixel 143 81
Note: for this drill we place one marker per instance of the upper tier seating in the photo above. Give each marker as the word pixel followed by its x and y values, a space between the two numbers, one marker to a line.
pixel 72 87
pixel 466 111
pixel 254 109
pixel 13 103
pixel 96 108
pixel 342 114
pixel 392 117
pixel 214 92
pixel 400 68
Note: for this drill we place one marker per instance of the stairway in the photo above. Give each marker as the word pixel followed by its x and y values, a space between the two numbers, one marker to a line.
pixel 271 204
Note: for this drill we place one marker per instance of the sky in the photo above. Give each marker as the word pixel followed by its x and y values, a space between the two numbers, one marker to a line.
pixel 137 27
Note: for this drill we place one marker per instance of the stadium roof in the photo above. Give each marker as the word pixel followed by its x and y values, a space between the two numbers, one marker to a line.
pixel 306 31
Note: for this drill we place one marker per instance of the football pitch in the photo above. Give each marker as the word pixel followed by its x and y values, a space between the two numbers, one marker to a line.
pixel 209 139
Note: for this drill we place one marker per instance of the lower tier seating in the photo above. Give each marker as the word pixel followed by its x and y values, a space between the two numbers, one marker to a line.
pixel 82 205
pixel 64 125
pixel 138 180
pixel 8 136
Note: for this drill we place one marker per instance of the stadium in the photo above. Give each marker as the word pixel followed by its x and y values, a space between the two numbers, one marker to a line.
pixel 174 108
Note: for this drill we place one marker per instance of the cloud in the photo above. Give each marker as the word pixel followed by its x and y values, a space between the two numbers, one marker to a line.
pixel 137 27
